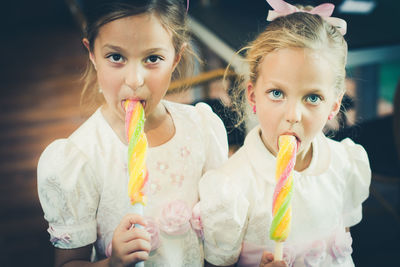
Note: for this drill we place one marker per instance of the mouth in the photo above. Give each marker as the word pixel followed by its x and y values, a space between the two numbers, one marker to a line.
pixel 298 140
pixel 143 102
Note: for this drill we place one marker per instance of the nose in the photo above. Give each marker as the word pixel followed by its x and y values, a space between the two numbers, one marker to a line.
pixel 293 113
pixel 134 77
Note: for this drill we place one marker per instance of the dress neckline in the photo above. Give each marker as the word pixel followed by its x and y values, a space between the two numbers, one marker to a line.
pixel 263 161
pixel 169 109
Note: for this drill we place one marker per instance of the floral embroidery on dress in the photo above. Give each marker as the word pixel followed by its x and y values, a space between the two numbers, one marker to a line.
pixel 56 236
pixel 175 218
pixel 316 254
pixel 161 166
pixel 185 152
pixel 177 179
pixel 341 247
pixel 154 186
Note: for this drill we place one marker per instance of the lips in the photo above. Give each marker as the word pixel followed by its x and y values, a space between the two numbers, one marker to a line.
pixel 298 140
pixel 143 102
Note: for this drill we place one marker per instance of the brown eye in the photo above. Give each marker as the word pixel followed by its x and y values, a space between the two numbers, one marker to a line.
pixel 153 59
pixel 115 58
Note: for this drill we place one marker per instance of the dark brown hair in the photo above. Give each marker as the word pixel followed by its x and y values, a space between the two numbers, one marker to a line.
pixel 172 15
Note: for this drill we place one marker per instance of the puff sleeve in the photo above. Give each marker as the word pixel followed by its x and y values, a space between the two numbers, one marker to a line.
pixel 358 179
pixel 224 214
pixel 68 194
pixel 215 137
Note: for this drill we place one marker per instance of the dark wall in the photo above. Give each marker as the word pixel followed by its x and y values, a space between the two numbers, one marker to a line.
pixel 23 15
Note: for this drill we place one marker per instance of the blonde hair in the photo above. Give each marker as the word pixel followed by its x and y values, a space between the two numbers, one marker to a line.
pixel 297 30
pixel 172 15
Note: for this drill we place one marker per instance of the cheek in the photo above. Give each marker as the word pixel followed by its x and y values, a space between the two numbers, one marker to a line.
pixel 315 122
pixel 159 80
pixel 108 80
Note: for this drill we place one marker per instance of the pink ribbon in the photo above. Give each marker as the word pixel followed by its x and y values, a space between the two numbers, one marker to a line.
pixel 56 236
pixel 281 8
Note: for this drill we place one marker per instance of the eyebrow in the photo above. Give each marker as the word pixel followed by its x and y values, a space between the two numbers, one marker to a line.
pixel 113 47
pixel 147 51
pixel 315 91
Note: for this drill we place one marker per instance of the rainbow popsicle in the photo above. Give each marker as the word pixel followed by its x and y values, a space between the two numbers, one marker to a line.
pixel 137 150
pixel 281 205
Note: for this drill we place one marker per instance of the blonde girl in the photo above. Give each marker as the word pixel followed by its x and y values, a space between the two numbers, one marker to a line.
pixel 295 85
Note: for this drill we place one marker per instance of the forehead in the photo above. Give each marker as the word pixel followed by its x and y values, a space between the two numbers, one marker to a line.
pixel 297 66
pixel 139 31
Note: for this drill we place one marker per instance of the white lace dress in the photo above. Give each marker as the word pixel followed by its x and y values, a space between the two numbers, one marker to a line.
pixel 82 185
pixel 236 203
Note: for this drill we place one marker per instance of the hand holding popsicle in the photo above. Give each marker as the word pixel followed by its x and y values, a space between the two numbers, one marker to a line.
pixel 281 205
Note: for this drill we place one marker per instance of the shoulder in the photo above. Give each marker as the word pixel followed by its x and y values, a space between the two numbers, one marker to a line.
pixel 229 175
pixel 200 118
pixel 59 156
pixel 70 157
pixel 350 160
pixel 346 152
pixel 192 112
pixel 88 133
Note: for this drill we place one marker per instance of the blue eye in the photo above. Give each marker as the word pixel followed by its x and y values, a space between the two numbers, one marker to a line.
pixel 153 59
pixel 115 58
pixel 313 99
pixel 275 94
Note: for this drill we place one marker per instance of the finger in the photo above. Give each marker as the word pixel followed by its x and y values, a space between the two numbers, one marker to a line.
pixel 137 245
pixel 129 220
pixel 136 233
pixel 138 257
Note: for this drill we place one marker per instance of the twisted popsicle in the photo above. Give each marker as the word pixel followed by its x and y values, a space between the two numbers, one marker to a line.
pixel 137 150
pixel 281 208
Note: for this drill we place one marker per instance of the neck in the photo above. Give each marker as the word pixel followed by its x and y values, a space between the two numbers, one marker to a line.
pixel 303 159
pixel 159 126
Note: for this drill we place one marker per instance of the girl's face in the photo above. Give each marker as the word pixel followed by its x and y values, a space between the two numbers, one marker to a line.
pixel 134 58
pixel 294 94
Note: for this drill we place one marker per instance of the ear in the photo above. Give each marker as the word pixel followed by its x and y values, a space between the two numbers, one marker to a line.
pixel 251 97
pixel 85 42
pixel 179 55
pixel 337 104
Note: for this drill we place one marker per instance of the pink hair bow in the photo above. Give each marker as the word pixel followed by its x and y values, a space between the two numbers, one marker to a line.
pixel 281 8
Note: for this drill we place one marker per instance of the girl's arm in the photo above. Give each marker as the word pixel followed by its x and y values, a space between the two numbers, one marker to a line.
pixel 76 257
pixel 129 246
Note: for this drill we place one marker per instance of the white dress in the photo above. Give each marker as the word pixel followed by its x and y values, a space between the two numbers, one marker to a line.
pixel 82 184
pixel 236 203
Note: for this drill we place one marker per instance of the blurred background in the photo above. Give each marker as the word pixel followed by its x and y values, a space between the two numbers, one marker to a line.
pixel 42 60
